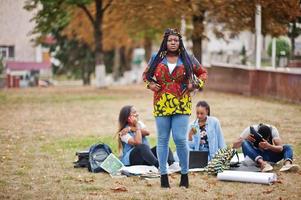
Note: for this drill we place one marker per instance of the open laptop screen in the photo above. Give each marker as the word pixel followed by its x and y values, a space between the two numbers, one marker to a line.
pixel 198 159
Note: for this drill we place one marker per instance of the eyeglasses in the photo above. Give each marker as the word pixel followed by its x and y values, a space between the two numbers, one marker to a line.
pixel 135 114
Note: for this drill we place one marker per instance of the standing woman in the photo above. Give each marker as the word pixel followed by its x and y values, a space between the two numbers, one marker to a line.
pixel 170 75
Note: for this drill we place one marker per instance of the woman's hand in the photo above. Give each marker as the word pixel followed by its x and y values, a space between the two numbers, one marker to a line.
pixel 154 86
pixel 250 138
pixel 125 131
pixel 264 145
pixel 133 120
pixel 194 131
pixel 190 87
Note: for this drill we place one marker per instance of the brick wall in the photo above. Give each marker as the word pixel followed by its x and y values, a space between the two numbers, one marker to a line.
pixel 264 83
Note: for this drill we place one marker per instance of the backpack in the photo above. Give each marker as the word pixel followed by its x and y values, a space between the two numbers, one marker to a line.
pixel 83 159
pixel 221 161
pixel 97 154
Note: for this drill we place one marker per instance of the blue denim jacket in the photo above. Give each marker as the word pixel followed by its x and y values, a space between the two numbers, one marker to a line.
pixel 214 135
pixel 127 149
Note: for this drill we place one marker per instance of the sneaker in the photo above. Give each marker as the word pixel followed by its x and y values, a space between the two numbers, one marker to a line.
pixel 289 167
pixel 267 168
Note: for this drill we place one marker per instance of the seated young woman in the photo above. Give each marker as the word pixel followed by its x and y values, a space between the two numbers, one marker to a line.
pixel 205 133
pixel 132 139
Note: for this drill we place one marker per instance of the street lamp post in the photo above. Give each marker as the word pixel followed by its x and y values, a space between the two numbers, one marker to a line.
pixel 258 35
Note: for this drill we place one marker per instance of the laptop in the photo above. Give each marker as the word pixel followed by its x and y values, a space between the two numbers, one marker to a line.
pixel 198 159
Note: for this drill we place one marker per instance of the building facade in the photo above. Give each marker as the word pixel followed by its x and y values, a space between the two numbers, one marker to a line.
pixel 16 44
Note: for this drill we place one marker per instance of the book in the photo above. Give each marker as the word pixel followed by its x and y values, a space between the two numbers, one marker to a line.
pixel 112 164
pixel 258 138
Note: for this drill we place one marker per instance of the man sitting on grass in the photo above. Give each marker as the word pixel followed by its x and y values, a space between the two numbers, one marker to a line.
pixel 262 144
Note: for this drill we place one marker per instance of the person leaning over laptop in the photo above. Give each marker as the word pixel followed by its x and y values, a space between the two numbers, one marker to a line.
pixel 267 147
pixel 205 133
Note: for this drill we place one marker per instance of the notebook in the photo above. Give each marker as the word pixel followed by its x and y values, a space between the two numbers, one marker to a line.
pixel 198 159
pixel 112 164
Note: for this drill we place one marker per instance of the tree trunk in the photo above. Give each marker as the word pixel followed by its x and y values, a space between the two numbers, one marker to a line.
pixel 86 75
pixel 116 65
pixel 125 57
pixel 100 70
pixel 197 34
pixel 98 33
pixel 293 40
pixel 128 58
pixel 147 48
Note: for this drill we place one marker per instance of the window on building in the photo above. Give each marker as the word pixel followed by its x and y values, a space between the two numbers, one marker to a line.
pixel 7 51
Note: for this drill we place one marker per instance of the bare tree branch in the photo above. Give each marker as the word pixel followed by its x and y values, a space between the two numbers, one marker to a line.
pixel 107 6
pixel 88 13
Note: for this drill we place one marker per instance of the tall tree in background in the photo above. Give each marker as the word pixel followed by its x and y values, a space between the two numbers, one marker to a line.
pixel 199 9
pixel 239 15
pixel 146 20
pixel 55 16
pixel 116 39
pixel 294 31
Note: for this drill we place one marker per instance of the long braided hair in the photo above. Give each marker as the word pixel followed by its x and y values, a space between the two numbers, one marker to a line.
pixel 163 51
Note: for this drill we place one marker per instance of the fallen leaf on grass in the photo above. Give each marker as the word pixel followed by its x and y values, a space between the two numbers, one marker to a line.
pixel 279 181
pixel 93 193
pixel 120 189
pixel 86 180
pixel 268 191
pixel 204 190
pixel 230 195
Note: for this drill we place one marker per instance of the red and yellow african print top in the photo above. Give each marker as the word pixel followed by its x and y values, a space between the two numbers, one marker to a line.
pixel 171 99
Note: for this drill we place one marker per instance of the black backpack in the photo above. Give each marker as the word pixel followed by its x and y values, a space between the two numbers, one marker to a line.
pixel 93 157
pixel 97 154
pixel 82 159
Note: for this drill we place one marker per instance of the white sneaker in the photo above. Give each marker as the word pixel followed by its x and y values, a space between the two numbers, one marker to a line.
pixel 289 167
pixel 267 168
pixel 174 167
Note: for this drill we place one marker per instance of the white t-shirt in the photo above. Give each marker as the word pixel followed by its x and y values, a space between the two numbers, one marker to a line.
pixel 125 138
pixel 246 132
pixel 171 66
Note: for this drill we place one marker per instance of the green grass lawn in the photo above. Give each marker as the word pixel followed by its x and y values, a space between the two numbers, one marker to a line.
pixel 42 128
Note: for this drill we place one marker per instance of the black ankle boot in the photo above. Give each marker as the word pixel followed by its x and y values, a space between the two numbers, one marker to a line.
pixel 164 181
pixel 184 181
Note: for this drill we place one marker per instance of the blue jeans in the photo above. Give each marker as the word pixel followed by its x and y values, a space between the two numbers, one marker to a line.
pixel 178 125
pixel 267 155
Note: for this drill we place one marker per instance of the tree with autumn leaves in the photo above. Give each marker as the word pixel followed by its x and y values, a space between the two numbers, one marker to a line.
pixel 120 26
pixel 54 17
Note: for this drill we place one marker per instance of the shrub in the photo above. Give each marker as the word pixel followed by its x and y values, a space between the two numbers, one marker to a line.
pixel 282 46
